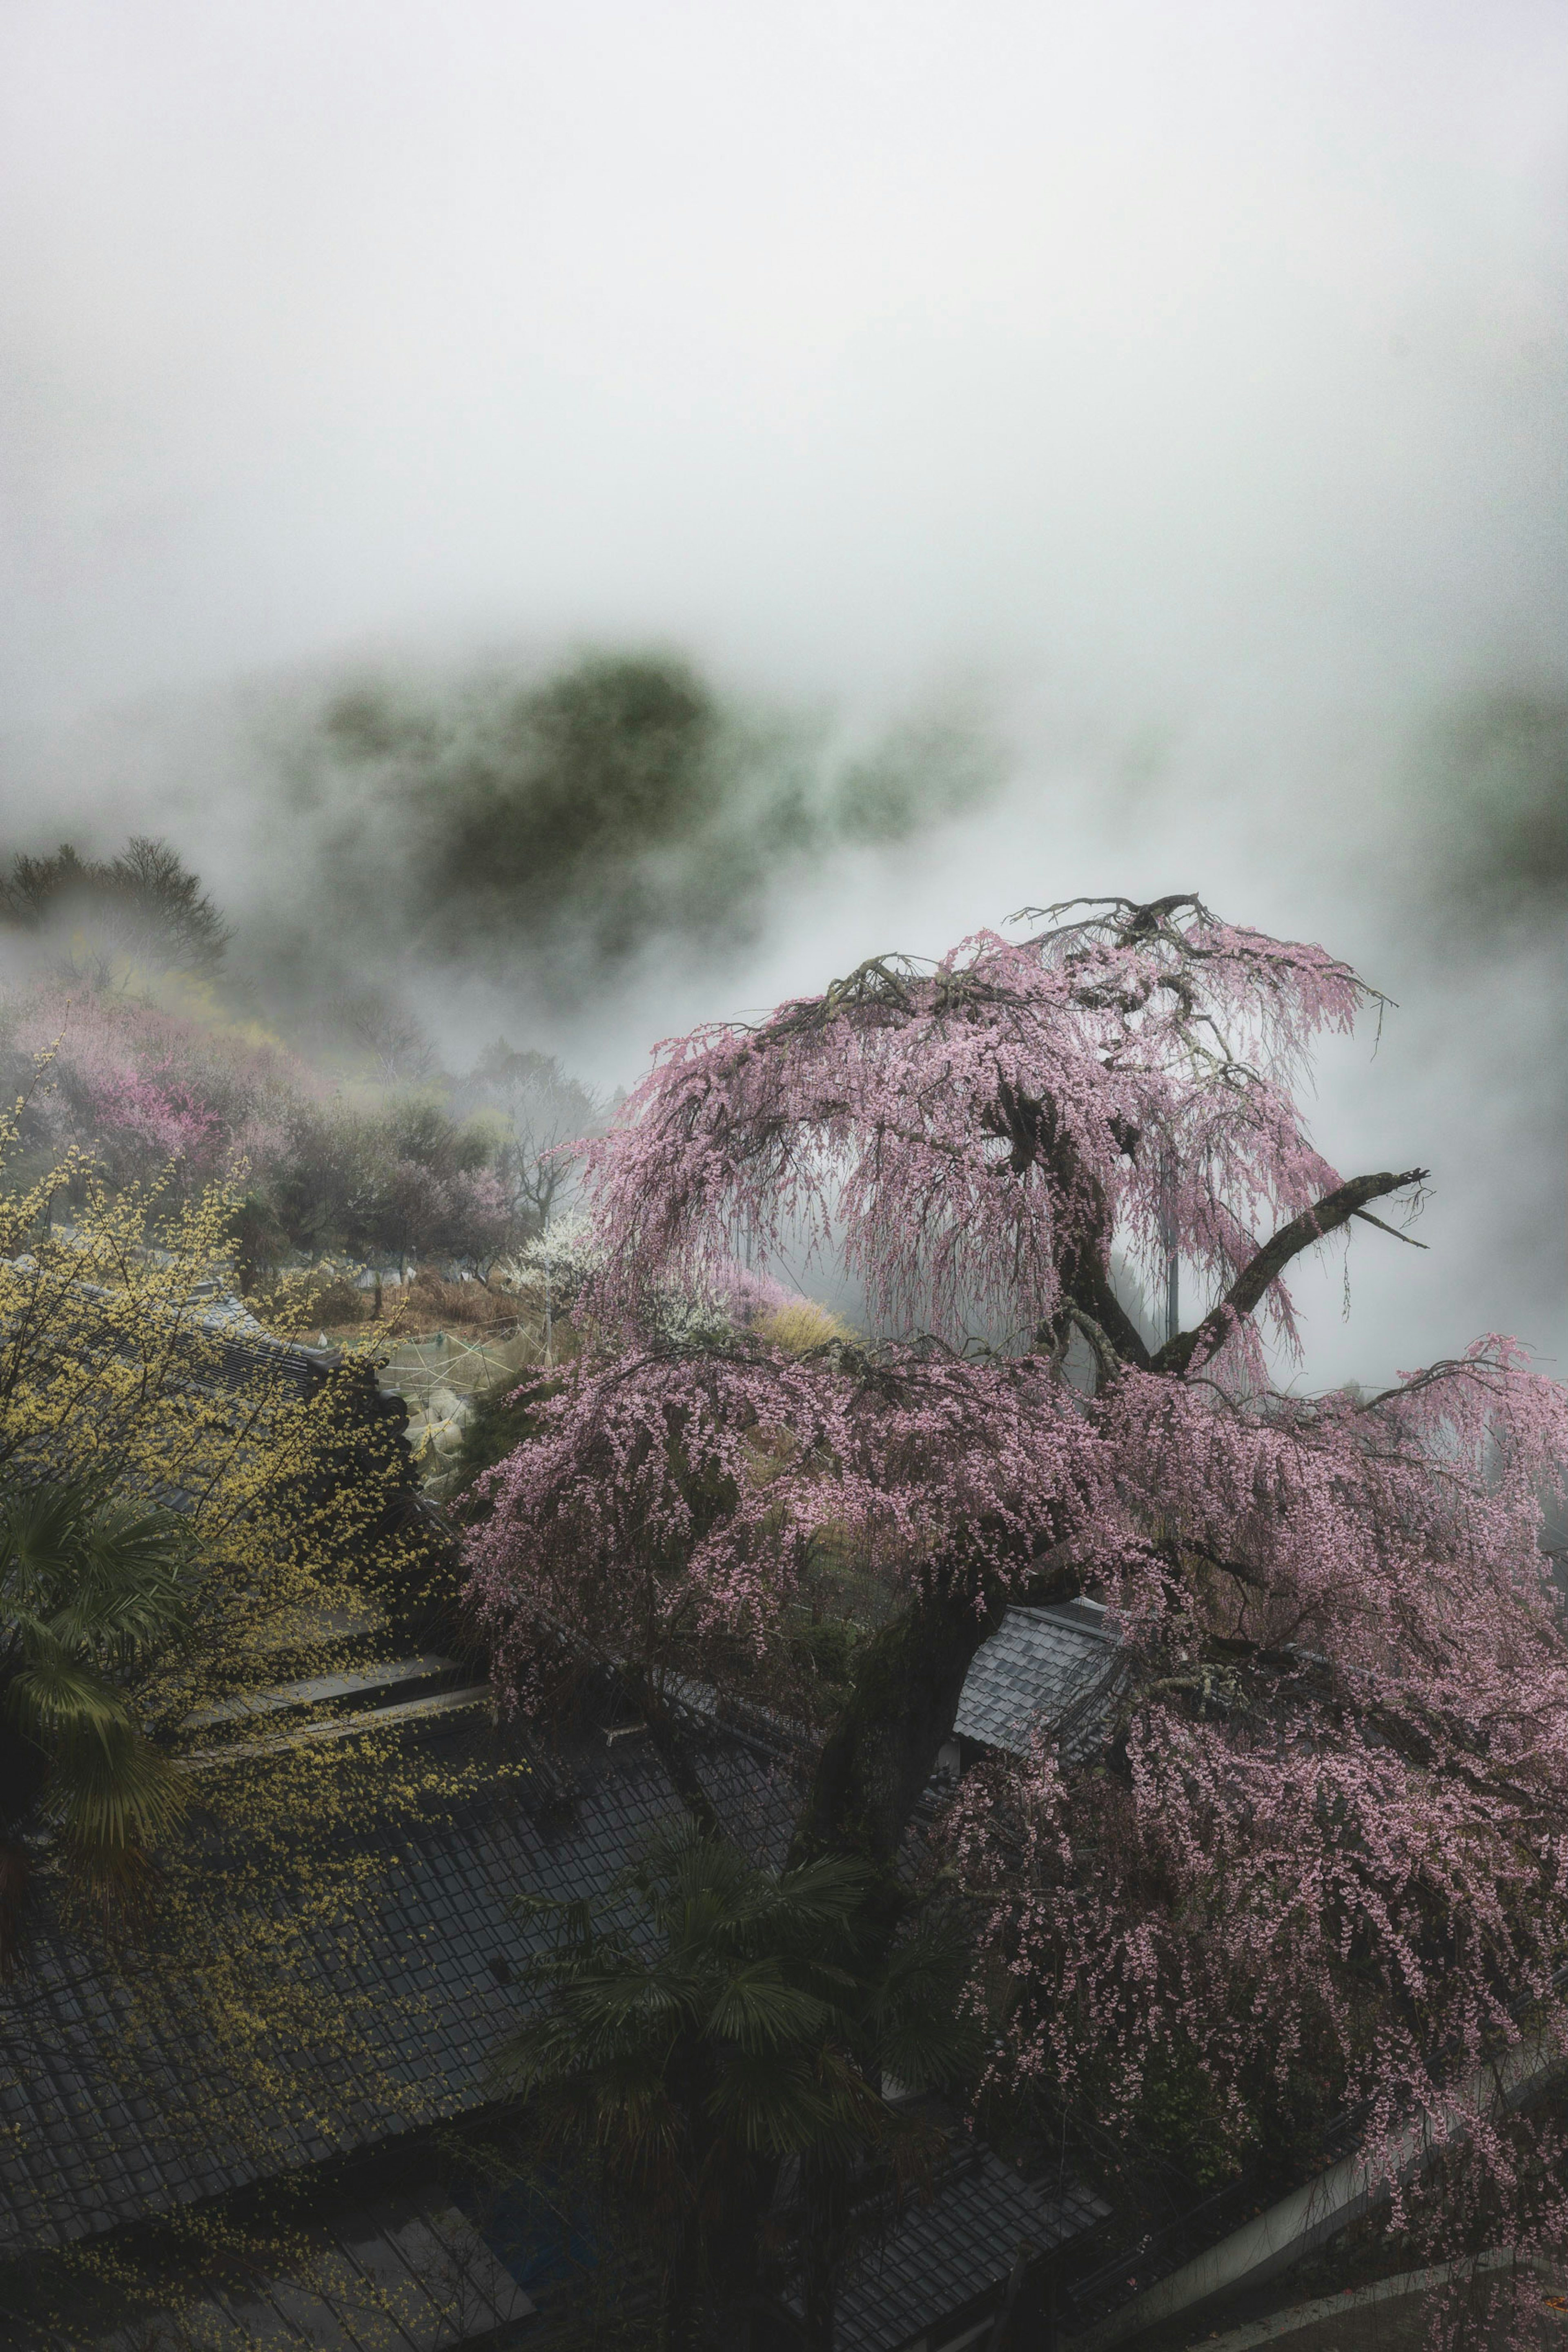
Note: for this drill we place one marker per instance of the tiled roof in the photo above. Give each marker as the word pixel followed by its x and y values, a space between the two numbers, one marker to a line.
pixel 942 2257
pixel 110 2103
pixel 404 2275
pixel 1042 1663
pixel 109 2119
pixel 107 2107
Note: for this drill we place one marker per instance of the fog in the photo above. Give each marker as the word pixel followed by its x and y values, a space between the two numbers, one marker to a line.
pixel 1140 428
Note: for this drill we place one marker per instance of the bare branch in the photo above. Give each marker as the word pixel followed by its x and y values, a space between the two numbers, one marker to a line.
pixel 1369 1219
pixel 1313 1225
pixel 1448 1368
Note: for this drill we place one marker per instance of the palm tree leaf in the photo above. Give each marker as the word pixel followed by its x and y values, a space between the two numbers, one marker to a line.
pixel 758 2009
pixel 132 1593
pixel 789 2107
pixel 38 1529
pixel 55 1694
pixel 925 2027
pixel 111 1788
pixel 830 1889
pixel 110 1579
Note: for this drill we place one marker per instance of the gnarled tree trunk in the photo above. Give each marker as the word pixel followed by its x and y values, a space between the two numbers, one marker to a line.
pixel 879 1756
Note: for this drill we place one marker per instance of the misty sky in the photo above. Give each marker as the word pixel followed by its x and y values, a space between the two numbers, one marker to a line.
pixel 1177 387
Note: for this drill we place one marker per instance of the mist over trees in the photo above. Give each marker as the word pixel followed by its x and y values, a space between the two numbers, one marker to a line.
pixel 1315 1805
pixel 1493 848
pixel 746 1606
pixel 143 906
pixel 553 826
pixel 418 852
pixel 540 828
pixel 126 1058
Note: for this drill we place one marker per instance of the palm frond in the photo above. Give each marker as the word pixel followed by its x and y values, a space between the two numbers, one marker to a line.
pixel 830 1892
pixel 758 2007
pixel 918 2009
pixel 108 1580
pixel 55 1694
pixel 791 2107
pixel 707 2016
pixel 111 1788
pixel 39 1526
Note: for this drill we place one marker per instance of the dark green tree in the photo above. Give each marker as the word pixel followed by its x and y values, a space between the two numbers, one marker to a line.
pixel 717 2035
pixel 89 1592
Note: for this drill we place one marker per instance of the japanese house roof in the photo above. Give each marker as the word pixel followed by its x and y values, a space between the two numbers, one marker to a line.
pixel 111 2104
pixel 400 2272
pixel 1043 1665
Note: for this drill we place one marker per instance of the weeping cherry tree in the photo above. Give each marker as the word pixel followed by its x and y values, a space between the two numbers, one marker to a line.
pixel 1309 1854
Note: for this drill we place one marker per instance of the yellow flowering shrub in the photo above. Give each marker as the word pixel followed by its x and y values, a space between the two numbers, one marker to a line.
pixel 122 1358
pixel 800 1326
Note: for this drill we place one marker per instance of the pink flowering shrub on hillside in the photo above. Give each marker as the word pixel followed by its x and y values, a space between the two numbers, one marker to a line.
pixel 154 1096
pixel 141 1087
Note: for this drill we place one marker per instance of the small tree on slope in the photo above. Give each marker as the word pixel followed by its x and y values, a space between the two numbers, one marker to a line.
pixel 1317 1853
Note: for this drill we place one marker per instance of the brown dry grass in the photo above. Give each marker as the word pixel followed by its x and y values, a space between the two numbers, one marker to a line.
pixel 433 1305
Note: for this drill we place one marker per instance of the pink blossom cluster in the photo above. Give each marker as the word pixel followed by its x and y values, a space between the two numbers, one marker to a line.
pixel 145 1091
pixel 140 1087
pixel 1337 1851
pixel 747 1293
pixel 670 1503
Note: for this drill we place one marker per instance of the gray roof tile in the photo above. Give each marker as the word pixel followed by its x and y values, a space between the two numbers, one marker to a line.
pixel 958 2250
pixel 406 2273
pixel 1042 1664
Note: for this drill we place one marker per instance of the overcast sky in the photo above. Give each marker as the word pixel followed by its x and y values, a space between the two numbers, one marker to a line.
pixel 1183 383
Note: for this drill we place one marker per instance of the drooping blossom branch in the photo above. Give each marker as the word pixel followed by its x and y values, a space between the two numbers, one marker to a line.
pixel 673 1507
pixel 1330 1867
